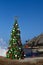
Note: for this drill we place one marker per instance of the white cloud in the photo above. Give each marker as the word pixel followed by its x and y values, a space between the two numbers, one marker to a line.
pixel 1 40
pixel 3 43
pixel 3 52
pixel 3 47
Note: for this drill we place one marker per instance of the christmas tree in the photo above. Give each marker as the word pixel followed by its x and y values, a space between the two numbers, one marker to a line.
pixel 15 50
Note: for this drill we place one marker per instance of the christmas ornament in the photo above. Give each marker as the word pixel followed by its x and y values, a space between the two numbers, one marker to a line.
pixel 13 30
pixel 18 34
pixel 20 48
pixel 13 39
pixel 24 55
pixel 16 24
pixel 11 33
pixel 17 28
pixel 15 55
pixel 11 49
pixel 19 58
pixel 9 52
pixel 10 45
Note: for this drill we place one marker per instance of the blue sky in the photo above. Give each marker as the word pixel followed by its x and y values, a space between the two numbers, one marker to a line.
pixel 30 18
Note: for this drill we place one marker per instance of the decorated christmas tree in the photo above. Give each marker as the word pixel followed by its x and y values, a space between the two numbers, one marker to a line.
pixel 15 50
